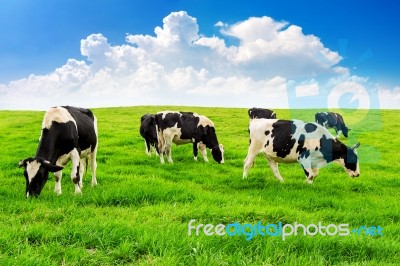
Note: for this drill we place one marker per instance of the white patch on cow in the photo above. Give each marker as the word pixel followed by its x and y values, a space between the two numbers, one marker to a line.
pixel 87 152
pixel 57 114
pixel 204 121
pixel 164 113
pixel 221 147
pixel 32 168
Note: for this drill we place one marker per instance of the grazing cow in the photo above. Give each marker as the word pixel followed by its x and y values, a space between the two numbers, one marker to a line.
pixel 289 141
pixel 332 120
pixel 187 127
pixel 68 133
pixel 256 113
pixel 149 133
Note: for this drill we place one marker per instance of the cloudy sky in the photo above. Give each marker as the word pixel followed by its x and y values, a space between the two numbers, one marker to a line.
pixel 274 54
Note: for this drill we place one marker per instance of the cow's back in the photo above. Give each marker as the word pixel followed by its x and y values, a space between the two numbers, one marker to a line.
pixel 87 126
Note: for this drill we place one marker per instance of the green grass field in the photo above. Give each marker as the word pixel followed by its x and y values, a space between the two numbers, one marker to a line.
pixel 140 210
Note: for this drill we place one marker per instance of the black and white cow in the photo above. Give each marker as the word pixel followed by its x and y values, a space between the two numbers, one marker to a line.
pixel 256 113
pixel 149 133
pixel 68 133
pixel 290 141
pixel 332 120
pixel 187 127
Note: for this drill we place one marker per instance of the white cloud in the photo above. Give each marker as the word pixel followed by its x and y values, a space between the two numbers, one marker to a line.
pixel 389 99
pixel 305 90
pixel 178 65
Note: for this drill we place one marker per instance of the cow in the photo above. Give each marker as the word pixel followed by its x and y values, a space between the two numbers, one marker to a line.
pixel 68 134
pixel 256 113
pixel 332 120
pixel 187 127
pixel 290 141
pixel 149 133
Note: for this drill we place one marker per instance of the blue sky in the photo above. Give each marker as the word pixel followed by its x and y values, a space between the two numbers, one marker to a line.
pixel 38 37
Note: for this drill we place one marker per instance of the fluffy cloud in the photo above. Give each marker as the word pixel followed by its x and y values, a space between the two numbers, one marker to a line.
pixel 389 99
pixel 178 65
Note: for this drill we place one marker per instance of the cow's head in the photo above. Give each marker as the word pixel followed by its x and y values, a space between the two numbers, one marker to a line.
pixel 218 153
pixel 350 161
pixel 345 131
pixel 36 174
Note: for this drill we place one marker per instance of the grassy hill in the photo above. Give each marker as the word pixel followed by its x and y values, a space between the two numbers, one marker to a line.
pixel 139 212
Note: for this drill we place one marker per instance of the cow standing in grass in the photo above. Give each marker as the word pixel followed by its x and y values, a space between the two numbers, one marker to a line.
pixel 290 141
pixel 68 134
pixel 332 120
pixel 187 127
pixel 149 133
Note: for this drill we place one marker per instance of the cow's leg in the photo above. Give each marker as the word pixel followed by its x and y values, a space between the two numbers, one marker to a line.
pixel 75 159
pixel 147 147
pixel 161 147
pixel 308 169
pixel 57 188
pixel 338 131
pixel 248 162
pixel 62 161
pixel 195 150
pixel 93 156
pixel 274 167
pixel 93 166
pixel 203 149
pixel 154 149
pixel 315 172
pixel 309 174
pixel 82 166
pixel 162 156
pixel 168 147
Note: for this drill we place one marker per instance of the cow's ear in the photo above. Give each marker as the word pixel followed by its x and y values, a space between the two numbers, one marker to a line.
pixel 355 146
pixel 51 167
pixel 23 163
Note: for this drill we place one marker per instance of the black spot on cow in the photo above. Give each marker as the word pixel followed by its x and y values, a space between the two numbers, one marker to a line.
pixel 300 148
pixel 266 144
pixel 350 161
pixel 282 134
pixel 267 132
pixel 332 149
pixel 316 148
pixel 306 172
pixel 303 151
pixel 305 154
pixel 190 121
pixel 309 127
